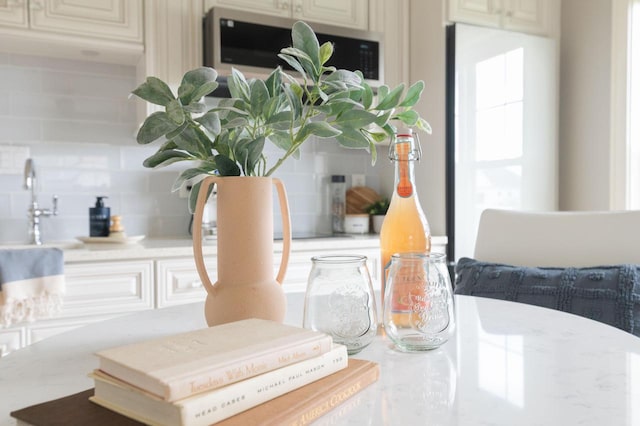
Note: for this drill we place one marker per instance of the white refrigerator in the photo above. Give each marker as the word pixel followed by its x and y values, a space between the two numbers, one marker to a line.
pixel 502 137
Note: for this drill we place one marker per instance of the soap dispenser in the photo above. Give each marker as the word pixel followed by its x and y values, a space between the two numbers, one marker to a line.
pixel 99 219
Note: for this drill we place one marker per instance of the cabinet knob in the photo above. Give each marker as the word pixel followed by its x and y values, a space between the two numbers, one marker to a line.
pixel 298 8
pixel 284 5
pixel 508 14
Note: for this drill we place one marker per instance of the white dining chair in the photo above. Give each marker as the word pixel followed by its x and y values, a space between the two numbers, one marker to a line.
pixel 558 239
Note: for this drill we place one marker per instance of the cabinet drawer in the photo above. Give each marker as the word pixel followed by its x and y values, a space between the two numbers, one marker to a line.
pixel 40 330
pixel 179 282
pixel 11 339
pixel 108 288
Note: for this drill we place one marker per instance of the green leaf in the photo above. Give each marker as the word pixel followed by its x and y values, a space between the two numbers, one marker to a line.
pixel 409 117
pixel 254 153
pixel 282 140
pixel 304 59
pixel 259 97
pixel 305 40
pixel 186 175
pixel 295 101
pixel 164 158
pixel 355 119
pixel 280 121
pixel 155 126
pixel 196 84
pixel 326 51
pixel 383 91
pixel 193 197
pixel 195 107
pixel 295 64
pixel 188 140
pixel 155 91
pixel 177 131
pixel 382 119
pixel 211 122
pixel 238 86
pixel 378 136
pixel 236 122
pixel 423 125
pixel 352 138
pixel 349 78
pixel 175 112
pixel 367 96
pixel 320 129
pixel 226 166
pixel 274 82
pixel 392 99
pixel 413 94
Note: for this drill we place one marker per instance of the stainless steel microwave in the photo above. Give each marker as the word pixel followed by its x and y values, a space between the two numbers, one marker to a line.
pixel 250 42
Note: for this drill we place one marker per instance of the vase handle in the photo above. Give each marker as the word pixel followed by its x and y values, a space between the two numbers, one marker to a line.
pixel 286 229
pixel 197 231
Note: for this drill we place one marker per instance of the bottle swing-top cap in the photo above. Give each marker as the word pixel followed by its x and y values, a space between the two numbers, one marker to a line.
pixel 405 146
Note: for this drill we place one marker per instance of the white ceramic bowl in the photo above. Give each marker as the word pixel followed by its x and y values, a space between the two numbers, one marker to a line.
pixel 356 224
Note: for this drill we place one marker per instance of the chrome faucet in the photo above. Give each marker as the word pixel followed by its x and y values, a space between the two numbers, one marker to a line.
pixel 34 213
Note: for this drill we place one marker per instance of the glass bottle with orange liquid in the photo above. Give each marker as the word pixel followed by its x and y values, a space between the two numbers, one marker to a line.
pixel 405 228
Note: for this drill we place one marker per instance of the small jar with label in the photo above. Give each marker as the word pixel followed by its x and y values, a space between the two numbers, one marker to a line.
pixel 418 302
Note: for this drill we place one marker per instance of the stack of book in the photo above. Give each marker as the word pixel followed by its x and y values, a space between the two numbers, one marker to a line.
pixel 242 371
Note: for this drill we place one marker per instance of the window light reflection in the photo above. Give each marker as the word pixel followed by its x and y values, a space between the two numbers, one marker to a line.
pixel 501 366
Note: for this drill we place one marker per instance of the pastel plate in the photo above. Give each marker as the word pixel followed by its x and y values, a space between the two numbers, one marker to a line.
pixel 111 240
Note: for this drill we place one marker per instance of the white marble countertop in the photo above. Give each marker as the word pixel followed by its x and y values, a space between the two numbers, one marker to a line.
pixel 509 364
pixel 76 251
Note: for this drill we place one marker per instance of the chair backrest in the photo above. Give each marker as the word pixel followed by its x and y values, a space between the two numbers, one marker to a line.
pixel 560 239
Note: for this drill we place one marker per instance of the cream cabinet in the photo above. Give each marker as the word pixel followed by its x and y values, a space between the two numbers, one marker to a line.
pixel 527 16
pixel 346 13
pixel 119 20
pixel 97 30
pixel 178 281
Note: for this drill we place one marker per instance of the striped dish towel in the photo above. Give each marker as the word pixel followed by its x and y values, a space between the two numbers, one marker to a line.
pixel 31 284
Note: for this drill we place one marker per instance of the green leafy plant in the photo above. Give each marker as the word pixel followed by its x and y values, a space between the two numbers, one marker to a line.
pixel 229 139
pixel 380 207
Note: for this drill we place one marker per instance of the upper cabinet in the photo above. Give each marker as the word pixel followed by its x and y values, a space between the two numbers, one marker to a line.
pixel 346 13
pixel 109 19
pixel 68 28
pixel 527 16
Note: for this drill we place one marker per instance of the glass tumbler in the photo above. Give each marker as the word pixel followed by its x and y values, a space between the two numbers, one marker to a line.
pixel 418 302
pixel 340 301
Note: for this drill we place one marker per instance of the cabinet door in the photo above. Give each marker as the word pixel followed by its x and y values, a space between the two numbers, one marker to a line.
pixel 13 13
pixel 179 282
pixel 266 7
pixel 480 12
pixel 346 13
pixel 527 16
pixel 110 19
pixel 103 288
pixel 11 339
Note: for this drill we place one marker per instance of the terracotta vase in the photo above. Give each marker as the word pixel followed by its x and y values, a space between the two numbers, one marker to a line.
pixel 246 287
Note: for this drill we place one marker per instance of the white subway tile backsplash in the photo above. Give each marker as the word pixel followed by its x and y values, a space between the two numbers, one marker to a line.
pixel 80 126
pixel 17 129
pixel 88 132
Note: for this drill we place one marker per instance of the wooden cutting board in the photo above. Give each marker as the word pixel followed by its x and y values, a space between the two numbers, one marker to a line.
pixel 359 198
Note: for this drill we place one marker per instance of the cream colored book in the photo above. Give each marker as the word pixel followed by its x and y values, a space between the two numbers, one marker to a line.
pixel 181 365
pixel 219 404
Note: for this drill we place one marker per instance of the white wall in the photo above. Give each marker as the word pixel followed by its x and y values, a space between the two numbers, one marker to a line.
pixel 585 100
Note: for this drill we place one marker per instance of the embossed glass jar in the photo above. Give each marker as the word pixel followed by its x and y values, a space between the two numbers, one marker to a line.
pixel 418 302
pixel 340 301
